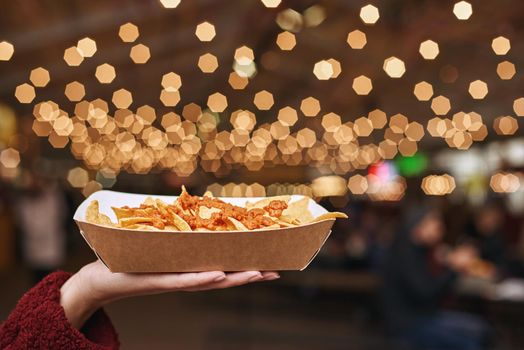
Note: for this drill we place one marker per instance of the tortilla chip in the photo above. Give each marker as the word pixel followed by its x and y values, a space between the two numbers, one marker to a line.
pixel 171 228
pixel 208 194
pixel 329 216
pixel 149 201
pixel 94 216
pixel 298 210
pixel 122 212
pixel 142 227
pixel 205 212
pixel 134 220
pixel 180 223
pixel 238 225
pixel 288 220
pixel 285 224
pixel 265 202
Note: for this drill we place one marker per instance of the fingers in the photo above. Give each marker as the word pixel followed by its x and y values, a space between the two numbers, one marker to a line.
pixel 237 279
pixel 270 275
pixel 182 281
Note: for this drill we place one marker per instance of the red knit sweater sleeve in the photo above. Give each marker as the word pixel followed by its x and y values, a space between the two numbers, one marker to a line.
pixel 39 322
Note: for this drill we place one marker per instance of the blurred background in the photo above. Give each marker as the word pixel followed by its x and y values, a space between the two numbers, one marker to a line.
pixel 403 114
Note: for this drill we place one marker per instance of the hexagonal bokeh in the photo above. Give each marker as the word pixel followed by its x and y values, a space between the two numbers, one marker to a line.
pixel 170 4
pixel 271 3
pixel 462 10
pixel 290 19
pixel 518 106
pixel 377 118
pixel 25 93
pixel 75 91
pixel 217 102
pixel 122 98
pixel 39 77
pixel 73 56
pixel 357 184
pixel 286 41
pixel 243 120
pixel 363 127
pixel 394 67
pixel 398 123
pixel 414 131
pixel 6 50
pixel 78 177
pixel 288 116
pixel 207 63
pixel 306 138
pixel 128 32
pixel 504 182
pixel 440 105
pixel 478 89
pixel 171 81
pixel 369 14
pixel 237 82
pixel 310 106
pixel 429 49
pixel 505 125
pixel 105 73
pixel 263 100
pixel 337 68
pixel 87 47
pixel 9 158
pixel 438 185
pixel 356 39
pixel 278 130
pixel 140 54
pixel 192 112
pixel 407 147
pixel 58 141
pixel 506 70
pixel 169 98
pixel 362 85
pixel 323 70
pixel 331 122
pixel 501 45
pixel 423 91
pixel 205 31
pixel 147 113
pixel 244 55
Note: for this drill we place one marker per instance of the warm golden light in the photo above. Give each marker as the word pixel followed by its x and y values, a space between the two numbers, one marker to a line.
pixel 128 32
pixel 369 14
pixel 207 63
pixel 205 31
pixel 394 67
pixel 362 85
pixel 6 51
pixel 356 39
pixel 462 10
pixel 39 77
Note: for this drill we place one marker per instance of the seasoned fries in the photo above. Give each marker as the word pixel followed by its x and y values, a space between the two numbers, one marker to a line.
pixel 207 213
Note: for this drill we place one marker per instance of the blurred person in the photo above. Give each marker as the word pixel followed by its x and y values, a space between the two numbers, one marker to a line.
pixel 488 235
pixel 64 311
pixel 41 213
pixel 413 289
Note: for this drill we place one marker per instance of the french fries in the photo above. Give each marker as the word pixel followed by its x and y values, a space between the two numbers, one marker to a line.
pixel 208 213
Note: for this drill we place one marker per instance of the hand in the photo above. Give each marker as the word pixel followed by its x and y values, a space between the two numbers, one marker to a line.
pixel 95 286
pixel 461 258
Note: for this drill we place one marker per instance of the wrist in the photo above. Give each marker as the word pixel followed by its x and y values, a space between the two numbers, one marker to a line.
pixel 78 306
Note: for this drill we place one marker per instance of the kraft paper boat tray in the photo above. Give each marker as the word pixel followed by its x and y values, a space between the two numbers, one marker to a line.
pixel 124 250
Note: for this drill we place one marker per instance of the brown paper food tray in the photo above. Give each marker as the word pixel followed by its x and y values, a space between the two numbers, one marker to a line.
pixel 153 251
pixel 123 250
